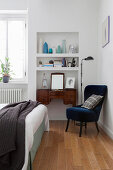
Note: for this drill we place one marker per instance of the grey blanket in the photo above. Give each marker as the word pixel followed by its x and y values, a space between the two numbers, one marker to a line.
pixel 12 134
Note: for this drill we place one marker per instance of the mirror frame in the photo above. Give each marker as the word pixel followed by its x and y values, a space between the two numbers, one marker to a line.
pixel 57 74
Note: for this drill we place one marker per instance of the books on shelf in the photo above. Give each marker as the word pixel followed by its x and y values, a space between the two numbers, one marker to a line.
pixel 51 65
pixel 47 65
pixel 57 65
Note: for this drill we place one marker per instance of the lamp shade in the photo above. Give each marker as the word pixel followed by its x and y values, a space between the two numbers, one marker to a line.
pixel 89 58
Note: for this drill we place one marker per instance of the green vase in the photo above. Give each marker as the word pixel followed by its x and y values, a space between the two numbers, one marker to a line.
pixel 63 46
pixel 58 49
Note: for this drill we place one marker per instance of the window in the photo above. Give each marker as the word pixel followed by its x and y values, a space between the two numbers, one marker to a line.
pixel 13 44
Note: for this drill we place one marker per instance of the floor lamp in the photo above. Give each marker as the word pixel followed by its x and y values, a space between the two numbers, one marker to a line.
pixel 86 59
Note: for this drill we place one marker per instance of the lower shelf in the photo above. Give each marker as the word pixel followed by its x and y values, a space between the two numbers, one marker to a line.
pixel 57 68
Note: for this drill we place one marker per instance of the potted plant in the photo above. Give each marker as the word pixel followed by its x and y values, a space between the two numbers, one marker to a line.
pixel 5 71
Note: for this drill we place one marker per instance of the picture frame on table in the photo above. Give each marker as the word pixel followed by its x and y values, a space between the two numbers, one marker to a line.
pixel 70 83
pixel 106 32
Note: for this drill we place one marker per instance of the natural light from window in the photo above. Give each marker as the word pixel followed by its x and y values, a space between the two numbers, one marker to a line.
pixel 12 45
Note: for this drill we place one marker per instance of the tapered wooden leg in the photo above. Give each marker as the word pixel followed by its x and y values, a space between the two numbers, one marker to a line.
pixel 80 129
pixel 97 126
pixel 67 125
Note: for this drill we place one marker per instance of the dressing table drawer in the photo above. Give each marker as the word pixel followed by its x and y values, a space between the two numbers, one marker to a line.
pixel 43 96
pixel 70 96
pixel 56 94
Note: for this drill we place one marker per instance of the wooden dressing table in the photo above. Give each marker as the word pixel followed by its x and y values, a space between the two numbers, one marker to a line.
pixel 67 95
pixel 57 82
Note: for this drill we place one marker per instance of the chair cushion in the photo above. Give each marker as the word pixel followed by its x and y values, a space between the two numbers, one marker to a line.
pixel 81 114
pixel 92 101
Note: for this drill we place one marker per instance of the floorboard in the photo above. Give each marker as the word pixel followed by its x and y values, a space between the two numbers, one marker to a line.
pixel 60 150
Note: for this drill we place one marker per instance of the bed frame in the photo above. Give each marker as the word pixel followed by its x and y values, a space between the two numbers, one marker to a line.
pixel 37 140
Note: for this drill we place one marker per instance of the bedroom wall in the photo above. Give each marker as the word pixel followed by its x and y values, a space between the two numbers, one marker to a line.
pixel 13 4
pixel 59 16
pixel 63 16
pixel 105 65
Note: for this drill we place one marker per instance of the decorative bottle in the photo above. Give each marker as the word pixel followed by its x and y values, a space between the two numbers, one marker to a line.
pixel 40 45
pixel 44 82
pixel 45 48
pixel 63 46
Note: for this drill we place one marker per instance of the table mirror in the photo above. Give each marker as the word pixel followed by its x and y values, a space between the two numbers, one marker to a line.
pixel 57 81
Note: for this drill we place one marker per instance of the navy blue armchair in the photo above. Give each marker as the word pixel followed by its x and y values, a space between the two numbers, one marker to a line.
pixel 84 115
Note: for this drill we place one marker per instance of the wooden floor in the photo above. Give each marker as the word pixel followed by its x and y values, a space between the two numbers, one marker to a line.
pixel 66 151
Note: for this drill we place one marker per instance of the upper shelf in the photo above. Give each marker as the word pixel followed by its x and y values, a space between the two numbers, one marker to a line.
pixel 57 55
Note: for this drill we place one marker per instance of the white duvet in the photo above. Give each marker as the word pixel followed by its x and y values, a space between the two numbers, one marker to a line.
pixel 32 123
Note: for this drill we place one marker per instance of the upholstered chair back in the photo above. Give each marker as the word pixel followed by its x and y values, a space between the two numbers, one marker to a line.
pixel 98 90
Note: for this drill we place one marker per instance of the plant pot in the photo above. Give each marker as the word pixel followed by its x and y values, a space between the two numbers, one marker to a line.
pixel 6 79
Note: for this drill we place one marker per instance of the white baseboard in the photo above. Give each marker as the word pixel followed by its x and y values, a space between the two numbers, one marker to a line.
pixel 106 130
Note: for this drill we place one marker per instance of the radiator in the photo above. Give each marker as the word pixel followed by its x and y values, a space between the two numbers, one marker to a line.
pixel 10 95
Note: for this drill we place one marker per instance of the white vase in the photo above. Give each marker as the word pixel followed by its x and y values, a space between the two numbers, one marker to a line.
pixel 73 48
pixel 40 45
pixel 44 82
pixel 54 50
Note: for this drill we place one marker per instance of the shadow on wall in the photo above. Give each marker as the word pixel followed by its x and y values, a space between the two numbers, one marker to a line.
pixel 104 116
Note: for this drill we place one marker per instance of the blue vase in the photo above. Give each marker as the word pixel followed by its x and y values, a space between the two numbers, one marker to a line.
pixel 50 50
pixel 45 48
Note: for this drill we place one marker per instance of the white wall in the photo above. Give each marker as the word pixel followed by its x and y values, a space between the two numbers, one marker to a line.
pixel 13 4
pixel 105 65
pixel 59 16
pixel 63 16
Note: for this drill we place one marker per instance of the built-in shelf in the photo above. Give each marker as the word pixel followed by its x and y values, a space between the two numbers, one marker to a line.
pixel 58 55
pixel 57 68
pixel 54 39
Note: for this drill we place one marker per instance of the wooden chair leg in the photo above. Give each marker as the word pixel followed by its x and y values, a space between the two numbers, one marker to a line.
pixel 97 126
pixel 80 129
pixel 67 125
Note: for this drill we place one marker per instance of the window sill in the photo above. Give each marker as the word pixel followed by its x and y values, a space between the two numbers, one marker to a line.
pixel 15 82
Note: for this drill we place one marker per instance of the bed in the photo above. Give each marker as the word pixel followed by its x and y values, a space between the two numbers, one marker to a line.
pixel 35 124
